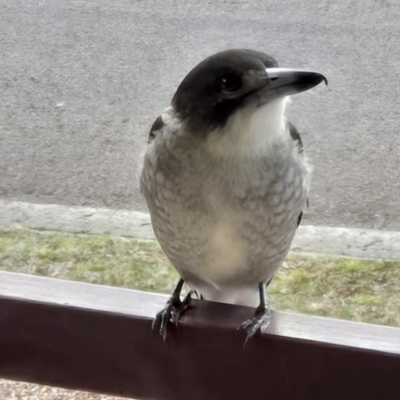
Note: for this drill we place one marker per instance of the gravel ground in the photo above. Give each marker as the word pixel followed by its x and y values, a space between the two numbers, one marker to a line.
pixel 10 390
pixel 82 81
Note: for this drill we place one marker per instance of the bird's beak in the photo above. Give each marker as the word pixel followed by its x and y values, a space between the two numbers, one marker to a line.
pixel 286 81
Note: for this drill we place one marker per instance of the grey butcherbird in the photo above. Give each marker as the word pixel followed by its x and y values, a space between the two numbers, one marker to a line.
pixel 225 180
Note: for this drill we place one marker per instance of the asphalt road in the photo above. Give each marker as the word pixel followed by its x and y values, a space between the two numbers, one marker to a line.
pixel 82 81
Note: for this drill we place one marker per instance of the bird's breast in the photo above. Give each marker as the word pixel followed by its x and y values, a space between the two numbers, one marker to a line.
pixel 225 222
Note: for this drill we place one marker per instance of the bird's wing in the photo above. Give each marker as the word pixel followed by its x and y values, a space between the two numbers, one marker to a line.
pixel 157 126
pixel 294 133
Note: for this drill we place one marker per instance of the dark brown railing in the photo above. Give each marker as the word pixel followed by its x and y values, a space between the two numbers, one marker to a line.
pixel 96 338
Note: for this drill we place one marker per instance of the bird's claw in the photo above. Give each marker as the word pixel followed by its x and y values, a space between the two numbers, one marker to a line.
pixel 171 313
pixel 258 323
pixel 181 308
pixel 161 320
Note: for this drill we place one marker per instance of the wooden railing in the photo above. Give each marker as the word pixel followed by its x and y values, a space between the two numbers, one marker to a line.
pixel 98 338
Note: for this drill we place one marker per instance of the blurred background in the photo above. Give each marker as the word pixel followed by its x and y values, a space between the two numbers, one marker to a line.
pixel 81 82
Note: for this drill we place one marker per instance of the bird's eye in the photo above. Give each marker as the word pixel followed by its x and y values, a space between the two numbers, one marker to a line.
pixel 231 83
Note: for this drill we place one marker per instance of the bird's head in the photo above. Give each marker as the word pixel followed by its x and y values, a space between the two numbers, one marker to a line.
pixel 235 82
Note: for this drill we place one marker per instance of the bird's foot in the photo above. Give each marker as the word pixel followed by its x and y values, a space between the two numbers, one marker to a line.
pixel 171 313
pixel 258 323
pixel 181 308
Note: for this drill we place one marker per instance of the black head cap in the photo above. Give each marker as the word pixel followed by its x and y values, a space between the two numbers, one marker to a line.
pixel 218 86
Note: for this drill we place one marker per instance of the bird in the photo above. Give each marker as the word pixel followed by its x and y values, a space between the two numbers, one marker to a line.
pixel 226 179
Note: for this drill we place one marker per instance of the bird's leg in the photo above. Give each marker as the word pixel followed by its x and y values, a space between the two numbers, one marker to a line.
pixel 261 317
pixel 184 305
pixel 172 310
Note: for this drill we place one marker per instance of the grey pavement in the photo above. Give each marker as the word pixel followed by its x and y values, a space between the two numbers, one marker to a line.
pixel 81 82
pixel 364 243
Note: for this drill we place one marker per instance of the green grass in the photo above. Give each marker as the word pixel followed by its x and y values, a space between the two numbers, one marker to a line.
pixel 332 286
pixel 100 259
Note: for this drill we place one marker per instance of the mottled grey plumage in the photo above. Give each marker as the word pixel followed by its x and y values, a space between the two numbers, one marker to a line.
pixel 225 176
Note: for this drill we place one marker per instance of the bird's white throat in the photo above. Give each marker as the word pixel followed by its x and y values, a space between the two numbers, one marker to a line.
pixel 251 130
